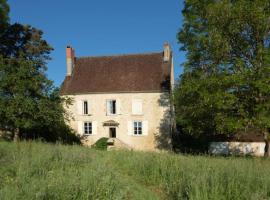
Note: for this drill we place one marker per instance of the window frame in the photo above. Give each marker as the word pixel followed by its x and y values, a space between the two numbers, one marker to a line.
pixel 87 128
pixel 87 107
pixel 112 109
pixel 137 128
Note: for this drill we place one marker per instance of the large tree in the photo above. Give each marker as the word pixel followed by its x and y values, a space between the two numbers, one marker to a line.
pixel 30 106
pixel 4 11
pixel 225 85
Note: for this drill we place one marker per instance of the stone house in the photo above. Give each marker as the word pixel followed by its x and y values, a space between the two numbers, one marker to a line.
pixel 122 97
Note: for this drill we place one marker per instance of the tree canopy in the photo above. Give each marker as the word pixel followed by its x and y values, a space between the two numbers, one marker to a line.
pixel 224 88
pixel 4 11
pixel 30 106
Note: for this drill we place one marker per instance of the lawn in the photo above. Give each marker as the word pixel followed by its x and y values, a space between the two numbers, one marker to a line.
pixel 30 170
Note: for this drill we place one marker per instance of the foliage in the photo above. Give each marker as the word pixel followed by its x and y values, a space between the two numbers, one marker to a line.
pixel 225 85
pixel 30 105
pixel 25 41
pixel 41 171
pixel 101 144
pixel 4 19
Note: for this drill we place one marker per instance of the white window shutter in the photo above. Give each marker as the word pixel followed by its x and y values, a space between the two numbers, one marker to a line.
pixel 137 106
pixel 94 127
pixel 118 106
pixel 80 107
pixel 80 128
pixel 89 107
pixel 140 106
pixel 130 128
pixel 108 107
pixel 145 128
pixel 133 107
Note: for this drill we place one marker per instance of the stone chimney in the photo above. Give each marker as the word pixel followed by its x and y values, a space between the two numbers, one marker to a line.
pixel 70 60
pixel 166 52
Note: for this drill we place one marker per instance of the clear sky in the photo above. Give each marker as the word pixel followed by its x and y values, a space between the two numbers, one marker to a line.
pixel 102 27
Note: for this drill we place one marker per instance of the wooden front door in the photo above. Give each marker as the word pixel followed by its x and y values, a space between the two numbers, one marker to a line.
pixel 112 132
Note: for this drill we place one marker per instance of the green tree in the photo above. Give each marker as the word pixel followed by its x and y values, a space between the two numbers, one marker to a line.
pixel 225 85
pixel 30 106
pixel 4 11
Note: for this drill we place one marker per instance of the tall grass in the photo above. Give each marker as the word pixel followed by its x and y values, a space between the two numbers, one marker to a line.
pixel 44 171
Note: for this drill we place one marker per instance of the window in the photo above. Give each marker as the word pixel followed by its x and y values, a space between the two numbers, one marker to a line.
pixel 137 107
pixel 85 108
pixel 137 127
pixel 87 128
pixel 111 107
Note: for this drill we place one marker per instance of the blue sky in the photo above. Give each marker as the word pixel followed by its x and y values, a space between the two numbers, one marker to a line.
pixel 102 27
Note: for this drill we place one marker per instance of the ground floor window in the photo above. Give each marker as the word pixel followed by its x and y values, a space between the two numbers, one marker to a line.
pixel 137 127
pixel 87 128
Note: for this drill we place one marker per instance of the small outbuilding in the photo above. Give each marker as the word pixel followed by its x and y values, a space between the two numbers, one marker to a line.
pixel 252 144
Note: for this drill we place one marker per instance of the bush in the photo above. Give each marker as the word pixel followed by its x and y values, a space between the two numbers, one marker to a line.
pixel 60 133
pixel 101 144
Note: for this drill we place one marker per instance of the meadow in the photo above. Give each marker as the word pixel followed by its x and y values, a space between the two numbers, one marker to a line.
pixel 32 170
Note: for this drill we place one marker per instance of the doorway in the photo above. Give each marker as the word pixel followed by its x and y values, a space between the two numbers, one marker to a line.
pixel 112 132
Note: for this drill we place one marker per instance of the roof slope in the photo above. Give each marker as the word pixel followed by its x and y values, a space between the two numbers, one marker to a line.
pixel 124 73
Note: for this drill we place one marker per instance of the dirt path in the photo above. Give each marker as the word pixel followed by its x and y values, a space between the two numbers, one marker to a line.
pixel 136 189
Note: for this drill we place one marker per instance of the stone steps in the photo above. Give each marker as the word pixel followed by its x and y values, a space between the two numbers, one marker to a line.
pixel 114 144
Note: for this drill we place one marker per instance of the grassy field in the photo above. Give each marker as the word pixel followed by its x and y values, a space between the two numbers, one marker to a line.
pixel 44 171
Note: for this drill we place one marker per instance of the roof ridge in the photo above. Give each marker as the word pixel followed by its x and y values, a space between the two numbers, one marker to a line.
pixel 119 55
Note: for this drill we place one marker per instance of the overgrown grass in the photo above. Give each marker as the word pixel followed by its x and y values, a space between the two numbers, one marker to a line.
pixel 44 171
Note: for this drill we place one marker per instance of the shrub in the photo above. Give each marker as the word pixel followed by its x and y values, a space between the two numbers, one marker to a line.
pixel 60 133
pixel 101 144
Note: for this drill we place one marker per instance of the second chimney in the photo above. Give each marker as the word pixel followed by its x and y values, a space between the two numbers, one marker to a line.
pixel 166 52
pixel 70 60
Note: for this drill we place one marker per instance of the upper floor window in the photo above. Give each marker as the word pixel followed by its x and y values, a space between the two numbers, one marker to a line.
pixel 137 128
pixel 137 107
pixel 85 107
pixel 111 107
pixel 87 128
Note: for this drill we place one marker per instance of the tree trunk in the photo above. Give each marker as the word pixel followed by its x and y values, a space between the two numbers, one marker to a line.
pixel 16 137
pixel 267 144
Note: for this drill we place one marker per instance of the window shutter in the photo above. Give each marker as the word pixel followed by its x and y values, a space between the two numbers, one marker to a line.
pixel 89 107
pixel 108 107
pixel 94 127
pixel 118 107
pixel 133 107
pixel 80 107
pixel 145 128
pixel 80 128
pixel 130 128
pixel 136 106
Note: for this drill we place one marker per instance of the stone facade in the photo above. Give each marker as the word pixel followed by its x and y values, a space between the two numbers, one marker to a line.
pixel 155 118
